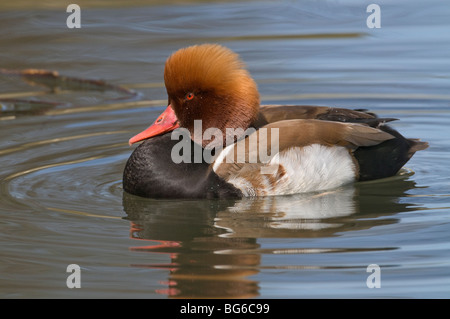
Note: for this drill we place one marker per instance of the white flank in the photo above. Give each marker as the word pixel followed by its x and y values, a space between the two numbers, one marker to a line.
pixel 307 169
pixel 313 168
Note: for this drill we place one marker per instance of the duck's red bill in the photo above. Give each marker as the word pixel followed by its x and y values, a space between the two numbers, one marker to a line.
pixel 166 122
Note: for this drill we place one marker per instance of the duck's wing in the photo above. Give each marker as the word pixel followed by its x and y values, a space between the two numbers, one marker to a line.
pixel 274 113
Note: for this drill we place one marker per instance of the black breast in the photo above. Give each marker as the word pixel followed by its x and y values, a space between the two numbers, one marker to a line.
pixel 151 172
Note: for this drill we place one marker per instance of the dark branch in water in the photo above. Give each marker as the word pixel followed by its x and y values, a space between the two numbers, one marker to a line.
pixel 53 81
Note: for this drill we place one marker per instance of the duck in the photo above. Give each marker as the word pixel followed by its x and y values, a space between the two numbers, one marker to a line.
pixel 248 149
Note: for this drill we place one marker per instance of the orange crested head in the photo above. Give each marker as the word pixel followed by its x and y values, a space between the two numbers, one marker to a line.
pixel 209 82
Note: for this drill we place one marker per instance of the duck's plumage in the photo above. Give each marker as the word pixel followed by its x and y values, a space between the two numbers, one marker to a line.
pixel 316 147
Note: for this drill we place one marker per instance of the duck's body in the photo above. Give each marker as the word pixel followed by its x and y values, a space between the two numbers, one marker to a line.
pixel 316 148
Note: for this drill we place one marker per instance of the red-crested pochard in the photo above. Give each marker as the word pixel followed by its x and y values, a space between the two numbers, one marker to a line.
pixel 317 148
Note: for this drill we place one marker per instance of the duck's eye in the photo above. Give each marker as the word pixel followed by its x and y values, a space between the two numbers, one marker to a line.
pixel 189 96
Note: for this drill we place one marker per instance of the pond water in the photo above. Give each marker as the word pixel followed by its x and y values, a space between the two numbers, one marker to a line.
pixel 63 147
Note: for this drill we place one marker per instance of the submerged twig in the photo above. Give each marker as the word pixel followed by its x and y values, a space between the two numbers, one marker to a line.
pixel 53 81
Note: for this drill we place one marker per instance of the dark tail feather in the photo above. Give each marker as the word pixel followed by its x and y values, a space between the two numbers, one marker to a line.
pixel 386 158
pixel 416 145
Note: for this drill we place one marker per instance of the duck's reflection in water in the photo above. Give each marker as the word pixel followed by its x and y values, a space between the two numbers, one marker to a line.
pixel 213 244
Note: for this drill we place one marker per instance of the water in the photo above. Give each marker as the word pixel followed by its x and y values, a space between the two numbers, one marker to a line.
pixel 63 152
